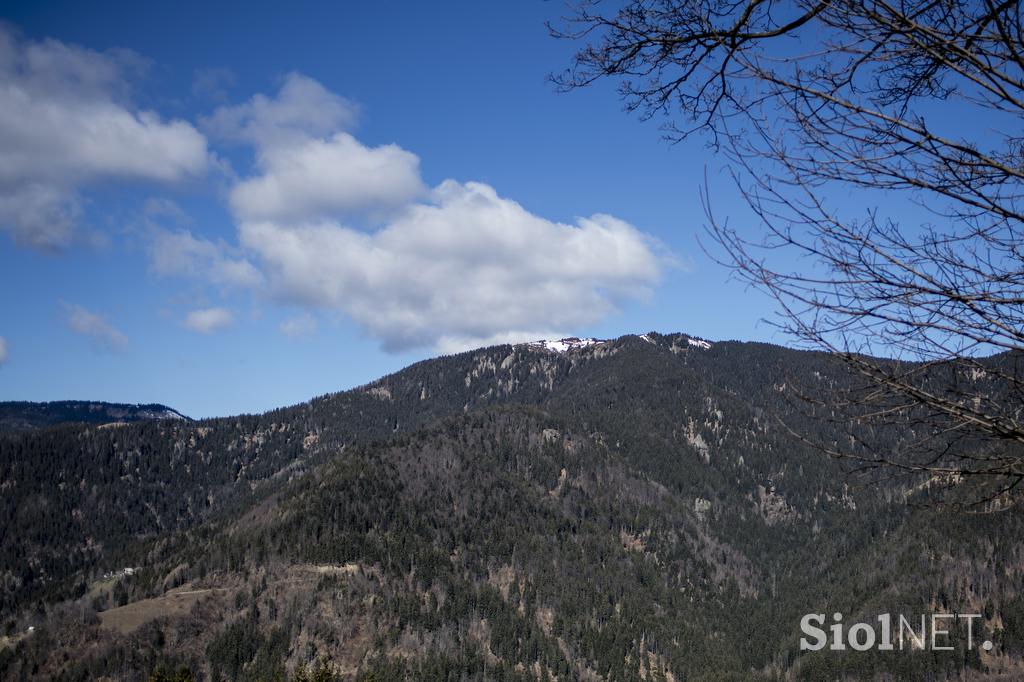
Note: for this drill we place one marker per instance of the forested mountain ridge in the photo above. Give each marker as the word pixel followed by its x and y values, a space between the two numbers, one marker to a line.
pixel 21 415
pixel 627 509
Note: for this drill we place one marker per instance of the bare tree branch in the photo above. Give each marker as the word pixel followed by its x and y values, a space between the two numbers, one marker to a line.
pixel 803 97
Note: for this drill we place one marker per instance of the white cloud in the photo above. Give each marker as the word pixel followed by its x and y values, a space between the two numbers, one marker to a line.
pixel 3 350
pixel 180 253
pixel 452 268
pixel 302 107
pixel 208 320
pixel 312 178
pixel 468 267
pixel 307 166
pixel 64 123
pixel 39 215
pixel 88 323
pixel 301 325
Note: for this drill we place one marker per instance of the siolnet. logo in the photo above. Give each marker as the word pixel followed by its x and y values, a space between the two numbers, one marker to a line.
pixel 936 631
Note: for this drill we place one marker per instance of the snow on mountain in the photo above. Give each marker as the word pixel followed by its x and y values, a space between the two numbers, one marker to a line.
pixel 563 345
pixel 160 414
pixel 572 343
pixel 135 412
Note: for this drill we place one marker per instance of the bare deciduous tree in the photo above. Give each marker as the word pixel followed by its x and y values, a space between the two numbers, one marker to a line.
pixel 912 101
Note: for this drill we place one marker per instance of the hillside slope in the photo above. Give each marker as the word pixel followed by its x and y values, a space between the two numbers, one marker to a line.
pixel 623 510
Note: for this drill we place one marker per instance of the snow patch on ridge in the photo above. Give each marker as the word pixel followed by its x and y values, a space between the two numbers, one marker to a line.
pixel 563 345
pixel 572 343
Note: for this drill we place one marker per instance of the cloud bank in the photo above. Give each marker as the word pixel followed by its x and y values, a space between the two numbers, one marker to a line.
pixel 470 265
pixel 447 268
pixel 307 165
pixel 66 122
pixel 323 221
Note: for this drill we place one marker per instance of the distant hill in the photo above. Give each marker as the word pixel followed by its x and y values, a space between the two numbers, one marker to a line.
pixel 24 416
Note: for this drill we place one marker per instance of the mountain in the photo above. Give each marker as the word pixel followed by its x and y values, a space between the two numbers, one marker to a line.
pixel 21 416
pixel 625 509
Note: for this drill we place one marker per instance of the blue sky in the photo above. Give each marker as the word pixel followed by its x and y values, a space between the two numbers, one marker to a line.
pixel 232 207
